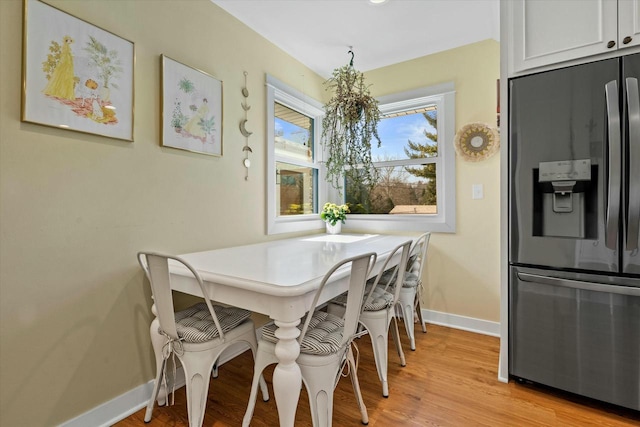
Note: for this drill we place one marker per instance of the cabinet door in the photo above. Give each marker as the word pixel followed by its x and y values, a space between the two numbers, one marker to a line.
pixel 551 31
pixel 629 23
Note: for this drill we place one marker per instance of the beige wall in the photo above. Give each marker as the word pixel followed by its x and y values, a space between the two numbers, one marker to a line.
pixel 75 208
pixel 463 274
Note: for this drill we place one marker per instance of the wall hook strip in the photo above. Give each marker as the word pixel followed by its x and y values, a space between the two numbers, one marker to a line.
pixel 243 127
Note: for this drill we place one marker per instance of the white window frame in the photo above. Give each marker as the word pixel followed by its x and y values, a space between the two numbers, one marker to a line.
pixel 278 91
pixel 443 96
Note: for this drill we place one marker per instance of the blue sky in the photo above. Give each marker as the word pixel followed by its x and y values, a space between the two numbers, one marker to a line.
pixel 290 131
pixel 394 133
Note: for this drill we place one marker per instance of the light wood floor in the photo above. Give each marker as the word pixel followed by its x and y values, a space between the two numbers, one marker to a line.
pixel 450 380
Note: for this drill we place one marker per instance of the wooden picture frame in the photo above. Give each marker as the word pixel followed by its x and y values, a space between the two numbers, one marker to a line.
pixel 75 75
pixel 191 109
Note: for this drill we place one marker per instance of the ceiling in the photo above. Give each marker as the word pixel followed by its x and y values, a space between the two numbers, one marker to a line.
pixel 318 33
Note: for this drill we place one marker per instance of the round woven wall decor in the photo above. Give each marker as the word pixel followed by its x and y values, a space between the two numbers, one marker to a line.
pixel 477 141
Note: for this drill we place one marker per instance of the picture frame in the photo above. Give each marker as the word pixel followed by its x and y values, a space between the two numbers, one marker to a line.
pixel 191 109
pixel 75 75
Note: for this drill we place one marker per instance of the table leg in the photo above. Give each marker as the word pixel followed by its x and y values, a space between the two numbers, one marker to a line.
pixel 287 379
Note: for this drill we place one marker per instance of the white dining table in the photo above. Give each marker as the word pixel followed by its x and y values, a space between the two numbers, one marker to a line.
pixel 279 278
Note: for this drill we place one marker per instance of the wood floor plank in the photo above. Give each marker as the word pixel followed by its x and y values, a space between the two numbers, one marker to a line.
pixel 450 380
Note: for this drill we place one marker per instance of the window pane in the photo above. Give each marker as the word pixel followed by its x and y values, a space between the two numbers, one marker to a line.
pixel 407 135
pixel 398 190
pixel 293 133
pixel 295 189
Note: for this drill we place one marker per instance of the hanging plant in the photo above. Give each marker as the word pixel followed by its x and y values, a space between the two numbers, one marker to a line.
pixel 348 127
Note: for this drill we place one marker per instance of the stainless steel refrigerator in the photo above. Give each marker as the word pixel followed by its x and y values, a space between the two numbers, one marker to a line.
pixel 574 206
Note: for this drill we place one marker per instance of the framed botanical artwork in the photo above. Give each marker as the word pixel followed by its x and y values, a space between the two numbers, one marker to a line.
pixel 75 75
pixel 191 109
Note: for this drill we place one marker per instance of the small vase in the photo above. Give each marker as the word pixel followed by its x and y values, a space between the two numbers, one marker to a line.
pixel 334 229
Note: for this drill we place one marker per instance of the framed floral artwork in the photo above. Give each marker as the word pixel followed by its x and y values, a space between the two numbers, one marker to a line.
pixel 191 109
pixel 75 75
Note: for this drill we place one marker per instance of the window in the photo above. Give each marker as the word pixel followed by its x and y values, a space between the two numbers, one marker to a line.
pixel 415 189
pixel 294 170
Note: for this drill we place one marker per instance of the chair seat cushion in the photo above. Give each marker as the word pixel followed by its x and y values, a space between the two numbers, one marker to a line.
pixel 323 336
pixel 196 325
pixel 380 299
pixel 386 277
pixel 411 280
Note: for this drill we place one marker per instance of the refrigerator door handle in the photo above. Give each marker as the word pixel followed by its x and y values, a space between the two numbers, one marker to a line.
pixel 575 284
pixel 612 209
pixel 633 216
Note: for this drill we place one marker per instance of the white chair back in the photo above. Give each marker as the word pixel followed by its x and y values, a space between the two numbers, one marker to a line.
pixel 360 267
pixel 322 363
pixel 156 266
pixel 418 255
pixel 199 346
pixel 395 282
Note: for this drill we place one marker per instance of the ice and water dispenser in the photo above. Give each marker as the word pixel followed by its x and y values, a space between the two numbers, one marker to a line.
pixel 565 198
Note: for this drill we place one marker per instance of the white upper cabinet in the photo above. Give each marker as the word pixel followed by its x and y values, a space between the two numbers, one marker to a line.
pixel 628 23
pixel 545 32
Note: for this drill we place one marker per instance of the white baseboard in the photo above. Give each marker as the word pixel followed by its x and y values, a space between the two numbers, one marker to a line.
pixel 119 408
pixel 132 401
pixel 464 323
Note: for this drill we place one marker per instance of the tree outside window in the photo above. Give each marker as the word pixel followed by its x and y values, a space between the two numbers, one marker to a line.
pixel 416 180
pixel 406 179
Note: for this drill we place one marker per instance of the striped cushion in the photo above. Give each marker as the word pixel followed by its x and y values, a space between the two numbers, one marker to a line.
pixel 411 280
pixel 195 323
pixel 323 335
pixel 380 299
pixel 387 276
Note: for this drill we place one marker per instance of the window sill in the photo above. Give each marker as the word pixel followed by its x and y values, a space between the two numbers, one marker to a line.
pixel 380 223
pixel 390 223
pixel 295 224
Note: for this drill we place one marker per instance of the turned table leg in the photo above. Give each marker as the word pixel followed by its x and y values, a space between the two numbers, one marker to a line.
pixel 287 379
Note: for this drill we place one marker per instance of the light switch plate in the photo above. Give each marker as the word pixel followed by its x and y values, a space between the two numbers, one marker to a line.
pixel 477 191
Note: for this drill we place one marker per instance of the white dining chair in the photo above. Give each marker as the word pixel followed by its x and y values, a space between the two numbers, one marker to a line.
pixel 195 336
pixel 379 311
pixel 378 317
pixel 410 297
pixel 325 344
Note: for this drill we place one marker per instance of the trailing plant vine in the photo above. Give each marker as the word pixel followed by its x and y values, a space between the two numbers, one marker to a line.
pixel 349 125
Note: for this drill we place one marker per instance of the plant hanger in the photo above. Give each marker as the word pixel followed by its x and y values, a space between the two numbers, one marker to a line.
pixel 349 125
